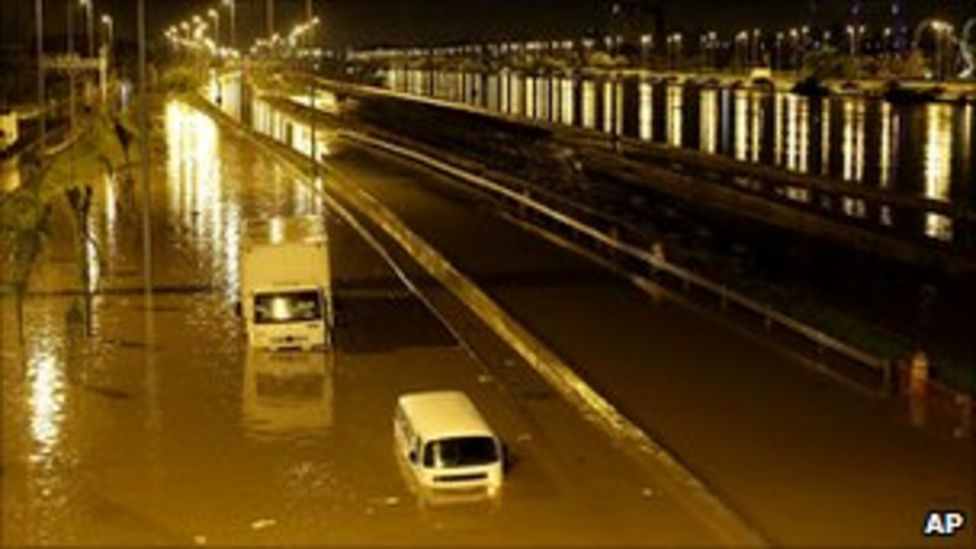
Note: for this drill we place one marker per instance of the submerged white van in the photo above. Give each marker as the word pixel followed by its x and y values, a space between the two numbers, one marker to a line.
pixel 446 443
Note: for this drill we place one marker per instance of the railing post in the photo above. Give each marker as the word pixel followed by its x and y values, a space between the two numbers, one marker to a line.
pixel 965 403
pixel 918 381
pixel 888 377
pixel 657 256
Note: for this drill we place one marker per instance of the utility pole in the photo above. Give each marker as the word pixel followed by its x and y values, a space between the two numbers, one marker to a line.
pixel 144 158
pixel 215 15
pixel 269 14
pixel 71 73
pixel 41 92
pixel 312 23
pixel 232 5
pixel 90 20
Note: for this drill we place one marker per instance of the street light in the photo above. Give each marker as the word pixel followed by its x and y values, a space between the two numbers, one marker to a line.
pixel 943 32
pixel 779 50
pixel 674 49
pixel 232 6
pixel 795 48
pixel 109 29
pixel 742 48
pixel 215 15
pixel 269 7
pixel 756 35
pixel 90 25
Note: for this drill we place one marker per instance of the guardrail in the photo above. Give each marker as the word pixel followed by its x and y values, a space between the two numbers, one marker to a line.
pixel 657 263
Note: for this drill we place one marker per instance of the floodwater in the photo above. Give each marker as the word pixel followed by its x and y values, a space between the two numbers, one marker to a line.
pixel 160 428
pixel 806 459
pixel 914 150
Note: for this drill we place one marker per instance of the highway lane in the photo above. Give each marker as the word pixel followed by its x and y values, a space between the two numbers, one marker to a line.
pixel 808 461
pixel 187 438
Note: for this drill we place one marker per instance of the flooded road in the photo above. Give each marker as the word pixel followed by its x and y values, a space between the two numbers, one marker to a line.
pixel 807 460
pixel 162 429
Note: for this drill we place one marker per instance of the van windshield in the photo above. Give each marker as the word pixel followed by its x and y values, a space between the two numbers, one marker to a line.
pixel 274 308
pixel 461 452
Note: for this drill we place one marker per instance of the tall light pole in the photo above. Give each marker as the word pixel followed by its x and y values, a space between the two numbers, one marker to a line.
pixel 70 46
pixel 215 15
pixel 109 31
pixel 943 34
pixel 310 28
pixel 90 25
pixel 269 15
pixel 144 154
pixel 779 50
pixel 742 48
pixel 756 36
pixel 41 92
pixel 232 6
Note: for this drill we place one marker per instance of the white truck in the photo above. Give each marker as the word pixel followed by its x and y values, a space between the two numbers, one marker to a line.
pixel 286 284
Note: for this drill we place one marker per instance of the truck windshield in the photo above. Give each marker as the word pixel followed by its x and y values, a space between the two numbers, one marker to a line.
pixel 461 452
pixel 286 307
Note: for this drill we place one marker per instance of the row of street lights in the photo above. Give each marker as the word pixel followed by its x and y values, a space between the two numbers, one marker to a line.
pixel 191 32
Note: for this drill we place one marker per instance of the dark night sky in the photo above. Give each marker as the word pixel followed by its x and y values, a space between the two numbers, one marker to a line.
pixel 374 22
pixel 409 21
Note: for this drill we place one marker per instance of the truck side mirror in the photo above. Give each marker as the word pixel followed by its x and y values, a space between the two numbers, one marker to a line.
pixel 238 310
pixel 412 456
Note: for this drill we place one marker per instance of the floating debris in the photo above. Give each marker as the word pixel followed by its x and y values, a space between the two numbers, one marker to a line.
pixel 199 540
pixel 263 523
pixel 485 378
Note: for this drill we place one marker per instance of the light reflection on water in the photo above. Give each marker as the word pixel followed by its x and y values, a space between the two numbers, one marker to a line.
pixel 675 108
pixel 758 118
pixel 50 475
pixel 741 125
pixel 646 111
pixel 288 395
pixel 9 176
pixel 709 121
pixel 938 168
pixel 46 403
pixel 851 138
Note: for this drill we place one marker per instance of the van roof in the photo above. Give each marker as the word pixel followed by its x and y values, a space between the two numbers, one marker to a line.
pixel 443 414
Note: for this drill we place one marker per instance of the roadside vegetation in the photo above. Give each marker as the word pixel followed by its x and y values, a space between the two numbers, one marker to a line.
pixel 64 183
